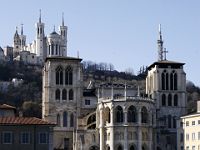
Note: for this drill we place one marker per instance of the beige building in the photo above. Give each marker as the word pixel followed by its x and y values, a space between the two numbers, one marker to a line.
pixel 188 131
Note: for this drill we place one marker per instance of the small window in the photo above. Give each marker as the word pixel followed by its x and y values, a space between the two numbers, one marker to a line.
pixel 7 137
pixel 87 102
pixel 181 137
pixel 187 137
pixel 25 138
pixel 187 148
pixel 193 147
pixel 198 135
pixel 193 136
pixel 43 138
pixel 187 123
pixel 198 122
pixel 193 123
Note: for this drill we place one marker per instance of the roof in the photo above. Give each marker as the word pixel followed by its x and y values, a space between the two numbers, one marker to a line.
pixel 5 106
pixel 23 121
pixel 166 63
pixel 62 58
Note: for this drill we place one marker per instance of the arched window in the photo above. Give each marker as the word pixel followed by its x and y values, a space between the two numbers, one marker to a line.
pixel 132 114
pixel 174 122
pixel 59 75
pixel 71 120
pixel 119 114
pixel 58 120
pixel 165 80
pixel 68 76
pixel 163 100
pixel 144 115
pixel 52 49
pixel 132 147
pixel 173 80
pixel 71 94
pixel 175 100
pixel 169 121
pixel 119 147
pixel 64 119
pixel 57 94
pixel 64 94
pixel 169 100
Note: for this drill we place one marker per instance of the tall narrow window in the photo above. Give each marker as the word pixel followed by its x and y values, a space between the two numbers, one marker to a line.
pixel 165 80
pixel 71 120
pixel 144 115
pixel 163 100
pixel 175 100
pixel 119 114
pixel 169 121
pixel 64 119
pixel 68 76
pixel 132 114
pixel 58 120
pixel 169 100
pixel 173 81
pixel 174 122
pixel 57 94
pixel 59 75
pixel 64 94
pixel 71 94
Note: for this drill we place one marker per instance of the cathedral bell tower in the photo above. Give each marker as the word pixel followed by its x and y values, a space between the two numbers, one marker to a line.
pixel 166 83
pixel 40 38
pixel 16 43
pixel 63 34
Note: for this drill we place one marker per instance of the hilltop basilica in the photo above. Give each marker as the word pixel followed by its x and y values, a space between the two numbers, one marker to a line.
pixel 109 116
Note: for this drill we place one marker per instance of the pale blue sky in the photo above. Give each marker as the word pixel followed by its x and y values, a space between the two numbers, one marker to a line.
pixel 121 32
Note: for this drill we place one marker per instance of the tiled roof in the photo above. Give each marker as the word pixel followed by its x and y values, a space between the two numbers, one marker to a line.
pixel 5 106
pixel 23 121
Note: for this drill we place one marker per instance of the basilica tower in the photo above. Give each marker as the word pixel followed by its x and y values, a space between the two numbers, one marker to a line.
pixel 166 83
pixel 40 38
pixel 63 34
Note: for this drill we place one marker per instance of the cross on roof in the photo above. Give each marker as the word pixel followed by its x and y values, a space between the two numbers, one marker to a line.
pixel 165 54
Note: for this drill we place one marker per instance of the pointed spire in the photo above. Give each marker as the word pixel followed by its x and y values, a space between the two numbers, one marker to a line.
pixel 40 18
pixel 22 29
pixel 54 28
pixel 160 45
pixel 63 23
pixel 16 30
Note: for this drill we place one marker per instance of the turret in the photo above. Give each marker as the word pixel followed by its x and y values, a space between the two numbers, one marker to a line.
pixel 63 33
pixel 40 38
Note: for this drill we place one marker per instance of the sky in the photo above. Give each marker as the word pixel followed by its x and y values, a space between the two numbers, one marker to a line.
pixel 121 32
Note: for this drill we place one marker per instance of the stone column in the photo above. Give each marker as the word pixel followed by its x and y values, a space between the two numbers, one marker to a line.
pixel 112 127
pixel 139 132
pixel 125 131
pixel 101 125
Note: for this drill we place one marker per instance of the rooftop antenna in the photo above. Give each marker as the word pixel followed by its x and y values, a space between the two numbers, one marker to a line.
pixel 160 44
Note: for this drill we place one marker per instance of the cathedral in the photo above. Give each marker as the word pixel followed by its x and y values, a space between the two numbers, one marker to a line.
pixel 54 44
pixel 112 116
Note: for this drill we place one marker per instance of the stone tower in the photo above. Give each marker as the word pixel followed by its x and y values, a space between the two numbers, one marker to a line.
pixel 16 43
pixel 63 34
pixel 166 83
pixel 40 39
pixel 62 93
